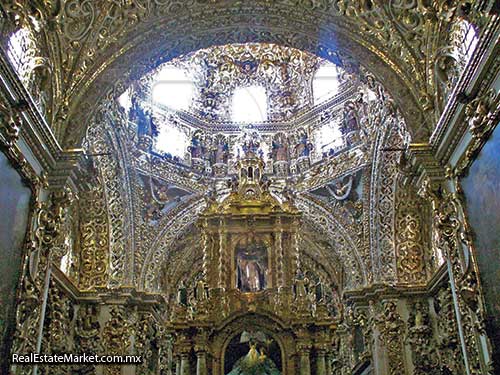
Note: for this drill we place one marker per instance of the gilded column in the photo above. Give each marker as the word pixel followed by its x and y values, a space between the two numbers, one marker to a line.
pixel 184 350
pixel 222 256
pixel 279 256
pixel 178 365
pixel 185 367
pixel 201 354
pixel 329 360
pixel 320 362
pixel 201 363
pixel 304 350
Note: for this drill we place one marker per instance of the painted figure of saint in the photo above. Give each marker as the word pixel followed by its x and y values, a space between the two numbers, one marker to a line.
pixel 221 152
pixel 279 149
pixel 251 267
pixel 197 148
pixel 303 147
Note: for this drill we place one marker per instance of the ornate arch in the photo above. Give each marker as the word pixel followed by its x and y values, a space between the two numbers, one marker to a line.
pixel 112 165
pixel 383 185
pixel 265 322
pixel 94 43
pixel 342 242
pixel 155 257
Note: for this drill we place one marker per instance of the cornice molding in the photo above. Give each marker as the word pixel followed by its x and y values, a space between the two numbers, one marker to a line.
pixel 384 291
pixel 57 164
pixel 36 133
pixel 475 80
pixel 120 296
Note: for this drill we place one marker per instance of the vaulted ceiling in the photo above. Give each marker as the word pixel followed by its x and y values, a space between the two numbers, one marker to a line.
pixel 96 48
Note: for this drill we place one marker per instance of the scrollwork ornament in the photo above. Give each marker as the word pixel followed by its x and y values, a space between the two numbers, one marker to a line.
pixel 391 327
pixel 10 125
pixel 419 336
pixel 481 115
pixel 451 233
pixel 49 218
pixel 410 239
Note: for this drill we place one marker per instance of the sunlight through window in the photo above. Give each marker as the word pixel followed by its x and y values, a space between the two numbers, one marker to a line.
pixel 325 83
pixel 329 139
pixel 250 104
pixel 19 51
pixel 173 88
pixel 470 39
pixel 171 140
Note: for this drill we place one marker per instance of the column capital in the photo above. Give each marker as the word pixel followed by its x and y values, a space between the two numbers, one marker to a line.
pixel 304 346
pixel 321 348
pixel 200 348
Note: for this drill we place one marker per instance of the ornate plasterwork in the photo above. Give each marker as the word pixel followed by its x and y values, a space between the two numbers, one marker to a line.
pixel 341 241
pixel 481 116
pixel 285 73
pixel 390 139
pixel 86 38
pixel 412 245
pixel 451 235
pixel 111 165
pixel 153 260
pixel 94 251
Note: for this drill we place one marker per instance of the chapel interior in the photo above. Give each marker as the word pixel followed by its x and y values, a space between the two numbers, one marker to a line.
pixel 295 187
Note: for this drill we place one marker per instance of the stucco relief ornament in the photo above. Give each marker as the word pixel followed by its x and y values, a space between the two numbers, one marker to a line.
pixel 87 328
pixel 419 336
pixel 481 111
pixel 391 327
pixel 10 124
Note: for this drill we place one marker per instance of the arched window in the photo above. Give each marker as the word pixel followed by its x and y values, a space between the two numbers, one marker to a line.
pixel 250 104
pixel 21 51
pixel 171 140
pixel 325 83
pixel 173 88
pixel 329 139
pixel 466 41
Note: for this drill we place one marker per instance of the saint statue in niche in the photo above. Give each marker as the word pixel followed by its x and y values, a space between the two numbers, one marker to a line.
pixel 251 267
pixel 260 358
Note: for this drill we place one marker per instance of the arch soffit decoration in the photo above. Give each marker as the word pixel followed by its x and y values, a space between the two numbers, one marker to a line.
pixel 265 321
pixel 188 262
pixel 119 70
pixel 109 52
pixel 323 222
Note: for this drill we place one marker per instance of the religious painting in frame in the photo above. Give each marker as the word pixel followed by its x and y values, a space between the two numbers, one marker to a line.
pixel 482 194
pixel 15 199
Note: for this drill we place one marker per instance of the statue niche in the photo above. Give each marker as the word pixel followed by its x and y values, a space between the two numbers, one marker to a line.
pixel 252 353
pixel 251 266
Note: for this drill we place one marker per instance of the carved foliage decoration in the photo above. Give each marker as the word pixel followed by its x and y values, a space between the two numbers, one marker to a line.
pixel 407 35
pixel 146 341
pixel 87 328
pixel 94 243
pixel 481 115
pixel 391 328
pixel 154 258
pixel 343 242
pixel 382 196
pixel 116 336
pixel 420 337
pixel 451 234
pixel 447 333
pixel 50 217
pixel 217 71
pixel 410 236
pixel 59 316
pixel 115 186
